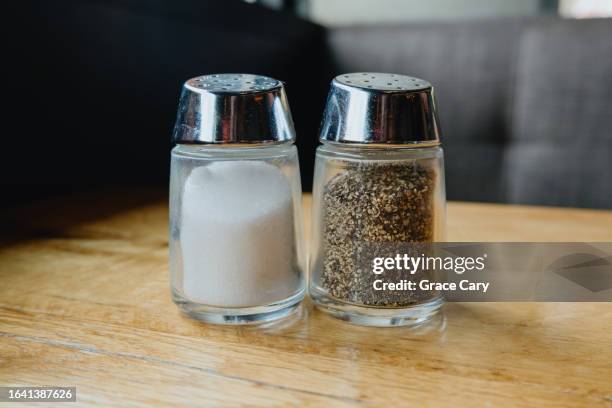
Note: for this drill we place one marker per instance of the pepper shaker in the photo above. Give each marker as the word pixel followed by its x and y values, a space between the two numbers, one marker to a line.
pixel 236 253
pixel 379 183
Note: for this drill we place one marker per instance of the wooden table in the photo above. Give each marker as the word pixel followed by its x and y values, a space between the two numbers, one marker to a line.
pixel 84 301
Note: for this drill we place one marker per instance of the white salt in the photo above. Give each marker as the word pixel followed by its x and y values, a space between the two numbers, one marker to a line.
pixel 237 235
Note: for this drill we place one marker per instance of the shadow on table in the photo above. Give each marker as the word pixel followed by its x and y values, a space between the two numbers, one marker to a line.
pixel 57 217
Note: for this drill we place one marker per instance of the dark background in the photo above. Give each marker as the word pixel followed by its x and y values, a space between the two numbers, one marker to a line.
pixel 94 85
pixel 92 88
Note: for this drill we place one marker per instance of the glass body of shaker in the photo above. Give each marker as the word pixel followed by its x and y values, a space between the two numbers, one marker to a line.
pixel 368 200
pixel 236 252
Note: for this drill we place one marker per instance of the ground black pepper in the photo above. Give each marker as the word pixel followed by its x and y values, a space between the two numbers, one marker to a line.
pixel 368 210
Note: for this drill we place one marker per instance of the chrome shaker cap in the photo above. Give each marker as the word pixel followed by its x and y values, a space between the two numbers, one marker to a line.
pixel 233 108
pixel 377 108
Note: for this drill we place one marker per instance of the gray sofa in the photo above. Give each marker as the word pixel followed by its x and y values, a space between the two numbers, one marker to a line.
pixel 525 105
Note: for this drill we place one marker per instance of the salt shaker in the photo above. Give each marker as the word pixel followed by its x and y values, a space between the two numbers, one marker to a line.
pixel 379 182
pixel 236 253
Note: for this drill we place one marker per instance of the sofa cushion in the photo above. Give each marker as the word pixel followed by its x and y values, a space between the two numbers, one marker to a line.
pixel 561 146
pixel 471 65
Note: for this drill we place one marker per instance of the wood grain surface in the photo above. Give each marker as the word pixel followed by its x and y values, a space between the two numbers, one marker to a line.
pixel 84 301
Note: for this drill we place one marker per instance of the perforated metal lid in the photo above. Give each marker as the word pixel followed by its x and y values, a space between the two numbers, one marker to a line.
pixel 379 108
pixel 233 108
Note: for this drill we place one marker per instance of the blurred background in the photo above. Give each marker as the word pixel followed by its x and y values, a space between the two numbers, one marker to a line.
pixel 524 87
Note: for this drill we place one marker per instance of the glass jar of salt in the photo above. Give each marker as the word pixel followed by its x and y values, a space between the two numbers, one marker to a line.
pixel 235 202
pixel 378 197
